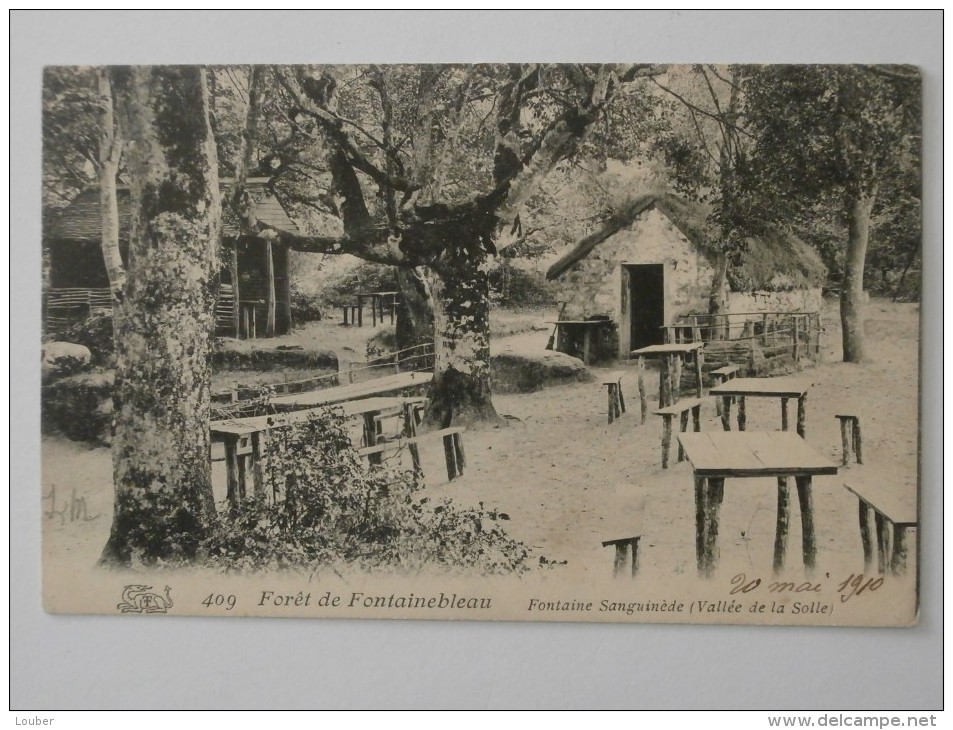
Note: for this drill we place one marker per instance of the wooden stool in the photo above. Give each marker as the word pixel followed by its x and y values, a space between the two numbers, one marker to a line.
pixel 719 376
pixel 680 409
pixel 613 383
pixel 850 438
pixel 622 546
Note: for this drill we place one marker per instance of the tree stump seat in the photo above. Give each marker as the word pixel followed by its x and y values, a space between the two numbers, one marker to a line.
pixel 850 438
pixel 681 409
pixel 452 449
pixel 892 520
pixel 626 551
pixel 613 384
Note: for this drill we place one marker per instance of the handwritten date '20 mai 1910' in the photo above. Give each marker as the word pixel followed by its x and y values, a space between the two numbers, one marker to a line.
pixel 854 585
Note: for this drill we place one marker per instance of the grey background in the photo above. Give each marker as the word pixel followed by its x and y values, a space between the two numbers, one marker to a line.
pixel 74 662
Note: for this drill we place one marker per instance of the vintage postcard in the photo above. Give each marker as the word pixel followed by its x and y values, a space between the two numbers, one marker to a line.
pixel 624 342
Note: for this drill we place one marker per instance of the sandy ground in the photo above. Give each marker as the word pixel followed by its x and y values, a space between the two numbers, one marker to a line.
pixel 569 480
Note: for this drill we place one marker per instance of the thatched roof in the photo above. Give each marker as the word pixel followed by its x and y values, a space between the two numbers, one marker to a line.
pixel 82 219
pixel 775 260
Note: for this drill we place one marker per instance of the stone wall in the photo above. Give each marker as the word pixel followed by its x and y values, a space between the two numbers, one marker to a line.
pixel 593 286
pixel 797 300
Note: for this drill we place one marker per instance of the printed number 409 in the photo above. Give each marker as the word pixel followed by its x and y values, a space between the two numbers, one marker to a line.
pixel 217 599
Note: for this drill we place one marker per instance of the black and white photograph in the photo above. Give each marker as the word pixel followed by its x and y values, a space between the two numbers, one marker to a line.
pixel 532 341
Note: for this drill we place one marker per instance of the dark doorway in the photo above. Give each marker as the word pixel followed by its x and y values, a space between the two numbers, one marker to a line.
pixel 646 304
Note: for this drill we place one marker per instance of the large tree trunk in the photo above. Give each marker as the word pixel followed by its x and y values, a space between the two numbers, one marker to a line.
pixel 461 306
pixel 110 239
pixel 110 149
pixel 414 313
pixel 852 291
pixel 161 445
pixel 718 300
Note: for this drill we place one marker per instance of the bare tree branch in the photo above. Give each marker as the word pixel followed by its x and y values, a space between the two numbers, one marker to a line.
pixel 387 116
pixel 373 243
pixel 723 122
pixel 732 84
pixel 698 109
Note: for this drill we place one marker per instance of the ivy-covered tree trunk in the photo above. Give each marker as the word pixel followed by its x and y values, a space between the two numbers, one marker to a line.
pixel 852 291
pixel 461 306
pixel 163 494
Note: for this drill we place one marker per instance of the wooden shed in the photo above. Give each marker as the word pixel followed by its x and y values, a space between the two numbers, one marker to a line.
pixel 250 285
pixel 658 260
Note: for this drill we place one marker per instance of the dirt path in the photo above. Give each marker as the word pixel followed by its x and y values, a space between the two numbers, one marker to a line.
pixel 569 480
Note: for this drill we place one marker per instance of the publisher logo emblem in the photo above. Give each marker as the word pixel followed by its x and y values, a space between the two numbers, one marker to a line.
pixel 142 599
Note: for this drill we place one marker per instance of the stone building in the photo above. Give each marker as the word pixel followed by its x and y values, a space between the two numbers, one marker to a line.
pixel 658 260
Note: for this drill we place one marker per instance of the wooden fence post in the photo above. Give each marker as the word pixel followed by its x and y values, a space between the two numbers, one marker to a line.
pixel 643 405
pixel 748 333
pixel 796 350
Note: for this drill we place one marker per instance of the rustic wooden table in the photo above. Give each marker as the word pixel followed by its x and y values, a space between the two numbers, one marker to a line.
pixel 244 437
pixel 588 327
pixel 378 300
pixel 783 388
pixel 718 455
pixel 671 358
pixel 399 383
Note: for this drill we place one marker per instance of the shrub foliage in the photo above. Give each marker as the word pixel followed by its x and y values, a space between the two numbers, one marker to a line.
pixel 328 508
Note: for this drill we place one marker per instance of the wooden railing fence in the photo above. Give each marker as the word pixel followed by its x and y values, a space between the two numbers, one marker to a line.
pixel 752 335
pixel 63 307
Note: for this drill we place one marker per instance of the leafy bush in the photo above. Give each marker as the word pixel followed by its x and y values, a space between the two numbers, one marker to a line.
pixel 80 407
pixel 328 508
pixel 173 540
pixel 96 333
pixel 513 287
pixel 305 307
pixel 261 356
pixel 366 277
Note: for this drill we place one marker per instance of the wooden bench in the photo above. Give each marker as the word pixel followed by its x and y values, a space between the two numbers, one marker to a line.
pixel 850 438
pixel 624 547
pixel 719 376
pixel 892 519
pixel 613 384
pixel 452 449
pixel 680 409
